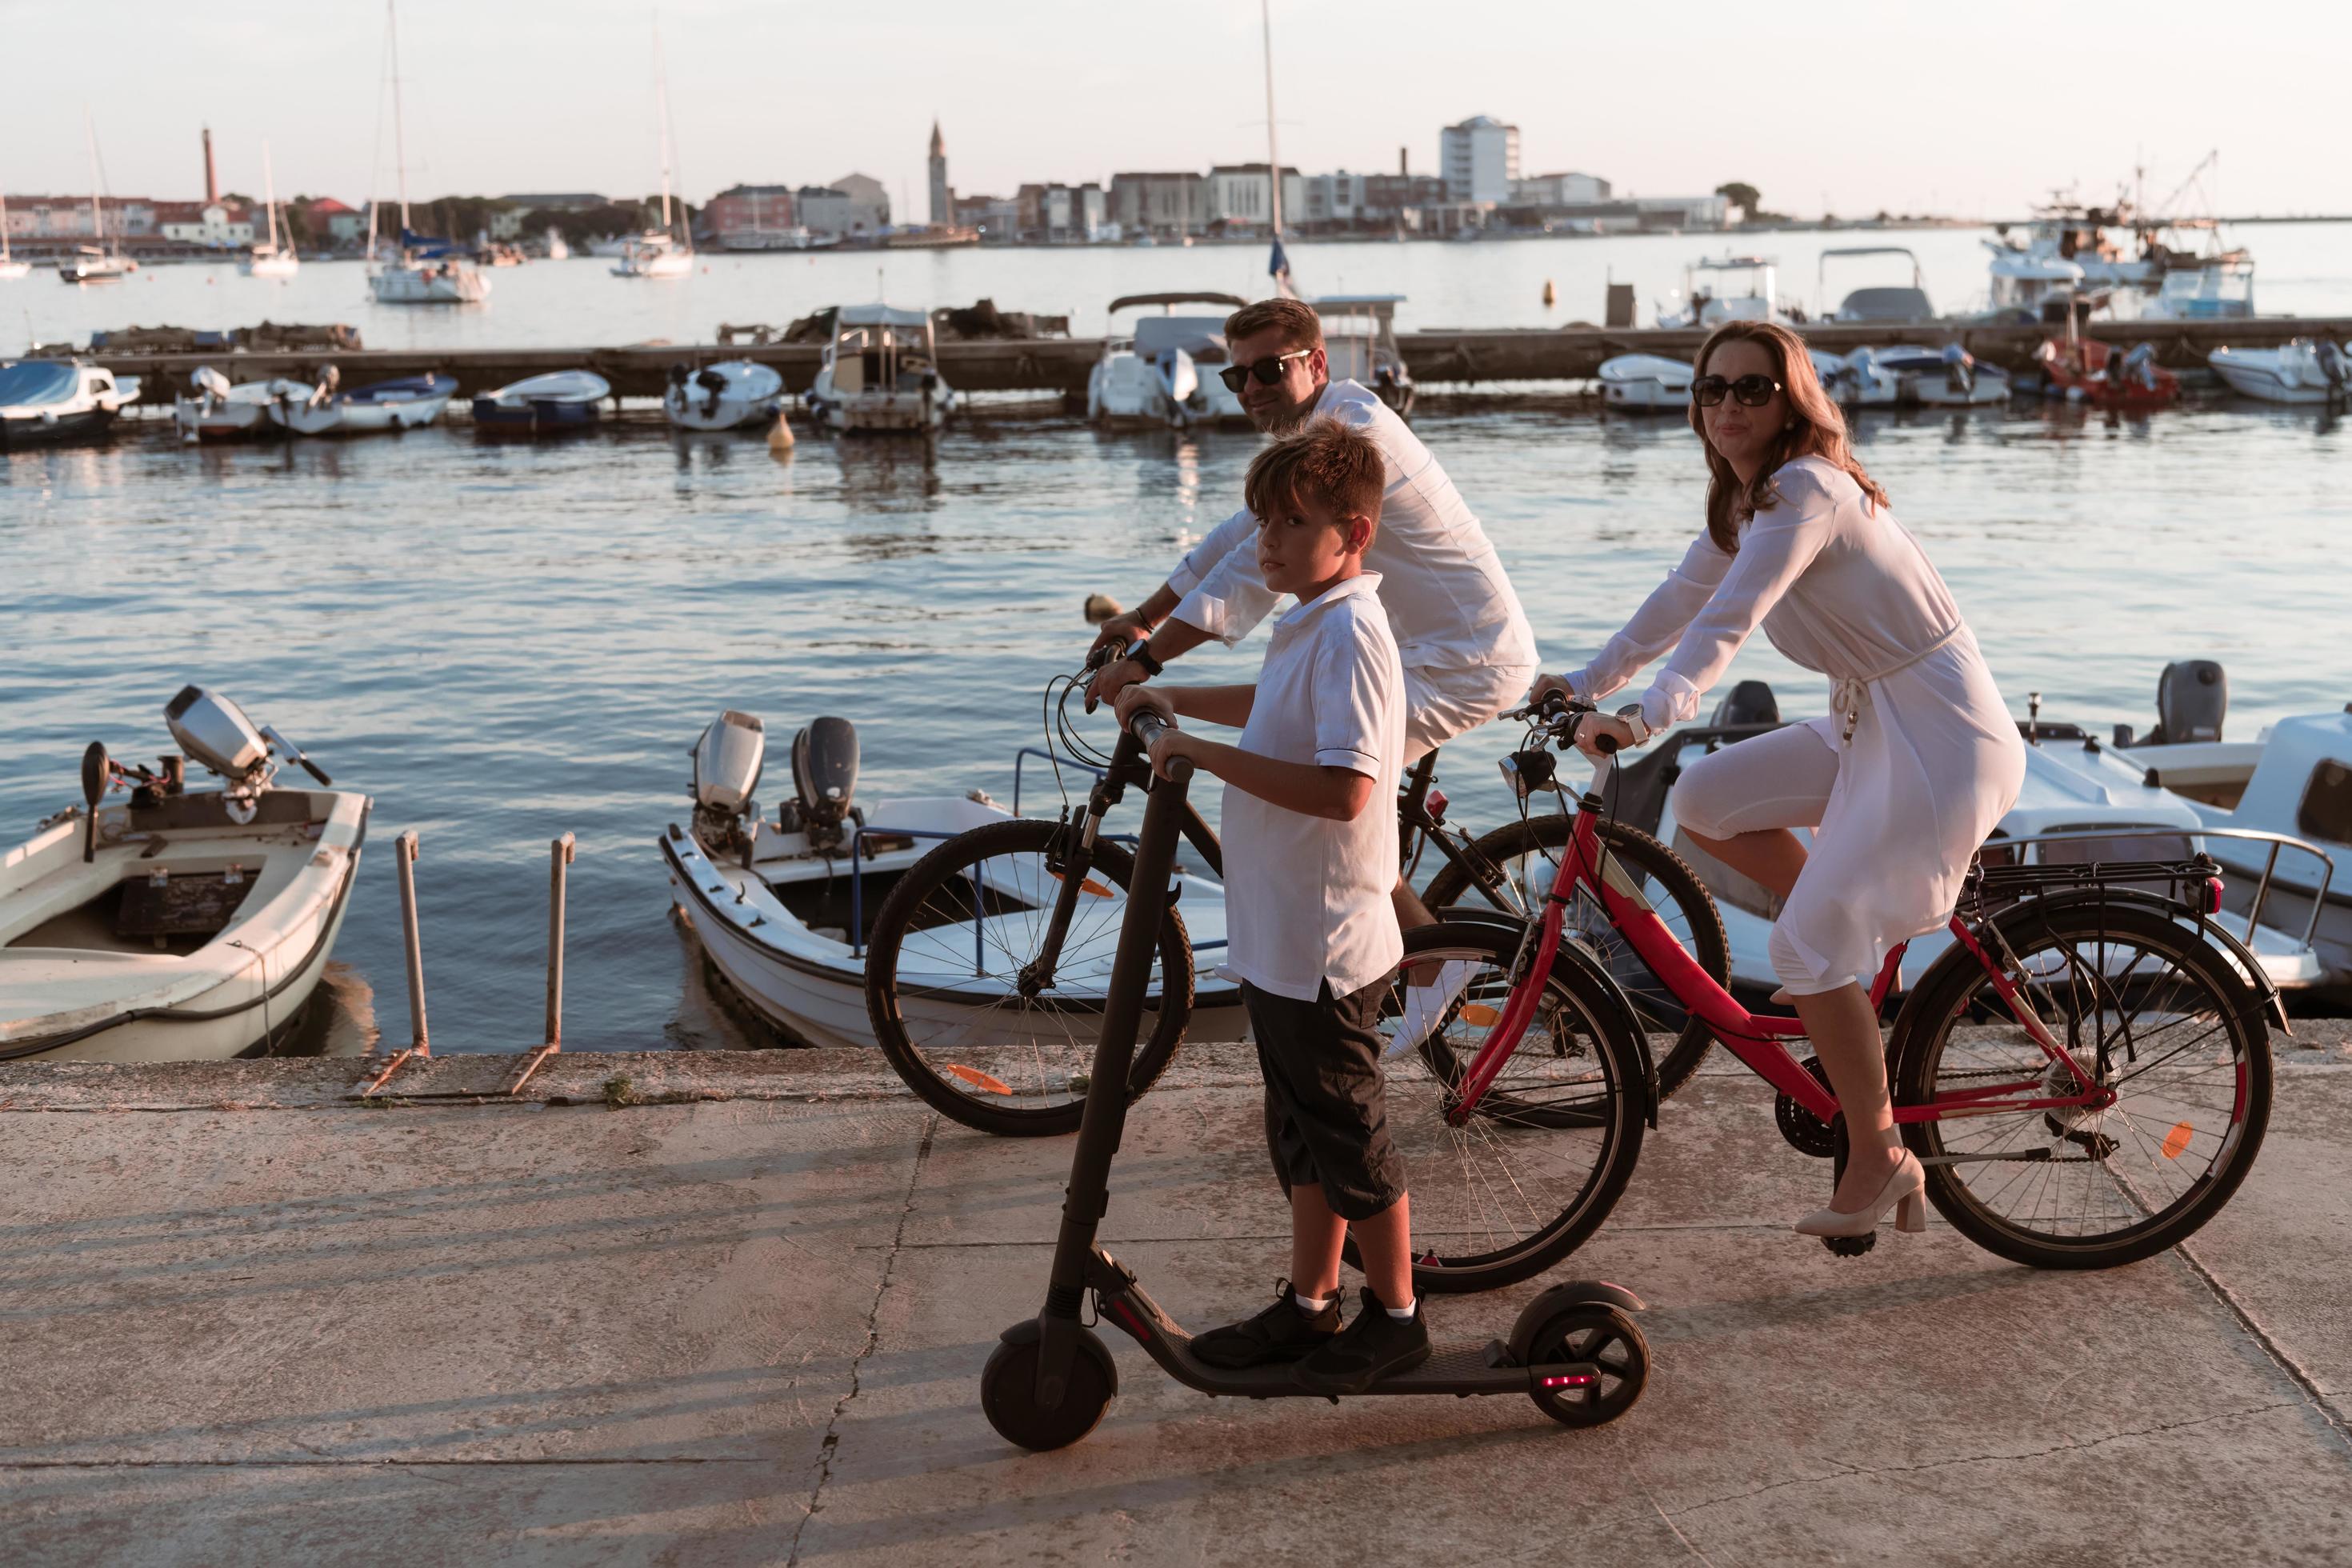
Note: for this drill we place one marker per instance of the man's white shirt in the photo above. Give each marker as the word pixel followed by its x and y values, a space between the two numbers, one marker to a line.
pixel 1307 899
pixel 1447 597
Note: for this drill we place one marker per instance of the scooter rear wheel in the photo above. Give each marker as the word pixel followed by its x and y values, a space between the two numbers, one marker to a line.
pixel 1008 1393
pixel 1597 1332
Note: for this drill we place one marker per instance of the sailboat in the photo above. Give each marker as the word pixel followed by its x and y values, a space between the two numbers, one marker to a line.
pixel 428 271
pixel 96 263
pixel 659 253
pixel 271 258
pixel 1277 266
pixel 10 267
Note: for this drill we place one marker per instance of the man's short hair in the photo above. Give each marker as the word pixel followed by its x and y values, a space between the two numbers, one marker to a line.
pixel 1301 327
pixel 1327 464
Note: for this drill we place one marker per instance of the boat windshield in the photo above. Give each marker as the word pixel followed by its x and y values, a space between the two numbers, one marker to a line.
pixel 35 381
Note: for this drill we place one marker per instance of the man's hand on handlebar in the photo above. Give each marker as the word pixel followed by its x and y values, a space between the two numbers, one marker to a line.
pixel 1119 675
pixel 1545 686
pixel 1122 629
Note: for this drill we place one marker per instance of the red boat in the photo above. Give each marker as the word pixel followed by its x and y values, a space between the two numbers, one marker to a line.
pixel 2084 370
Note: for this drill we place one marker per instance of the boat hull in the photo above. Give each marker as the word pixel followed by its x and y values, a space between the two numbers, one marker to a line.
pixel 84 425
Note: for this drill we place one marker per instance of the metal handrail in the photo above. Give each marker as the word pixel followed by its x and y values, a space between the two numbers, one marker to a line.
pixel 858 878
pixel 2277 841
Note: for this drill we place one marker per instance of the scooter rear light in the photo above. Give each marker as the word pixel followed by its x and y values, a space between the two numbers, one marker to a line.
pixel 1569 1379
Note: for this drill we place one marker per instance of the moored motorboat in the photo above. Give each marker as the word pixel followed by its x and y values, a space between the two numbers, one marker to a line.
pixel 1645 384
pixel 2301 370
pixel 1726 289
pixel 559 400
pixel 1154 377
pixel 183 924
pixel 880 372
pixel 1359 342
pixel 219 411
pixel 2084 370
pixel 1857 380
pixel 50 402
pixel 1945 377
pixel 783 906
pixel 733 394
pixel 400 404
pixel 1877 303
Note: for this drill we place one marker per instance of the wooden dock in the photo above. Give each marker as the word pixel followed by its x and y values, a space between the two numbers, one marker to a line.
pixel 1442 356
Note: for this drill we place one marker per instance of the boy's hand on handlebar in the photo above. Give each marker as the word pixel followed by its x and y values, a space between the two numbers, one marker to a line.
pixel 1173 743
pixel 1133 699
pixel 1601 734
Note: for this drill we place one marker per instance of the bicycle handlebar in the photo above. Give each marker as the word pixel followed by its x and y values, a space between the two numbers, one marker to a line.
pixel 1147 727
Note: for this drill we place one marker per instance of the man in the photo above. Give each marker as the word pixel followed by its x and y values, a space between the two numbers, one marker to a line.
pixel 1467 651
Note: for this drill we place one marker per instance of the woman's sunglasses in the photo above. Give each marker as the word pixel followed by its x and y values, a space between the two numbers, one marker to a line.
pixel 1749 391
pixel 1268 370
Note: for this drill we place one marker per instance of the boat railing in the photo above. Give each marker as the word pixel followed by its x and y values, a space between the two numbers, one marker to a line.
pixel 1025 753
pixel 2277 841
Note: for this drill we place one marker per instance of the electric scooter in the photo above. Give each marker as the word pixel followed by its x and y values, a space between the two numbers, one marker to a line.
pixel 1574 1350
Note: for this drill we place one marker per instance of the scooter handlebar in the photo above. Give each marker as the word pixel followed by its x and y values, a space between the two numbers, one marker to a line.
pixel 1147 727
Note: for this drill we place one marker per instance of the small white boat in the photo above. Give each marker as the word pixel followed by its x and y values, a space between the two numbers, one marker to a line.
pixel 222 411
pixel 51 403
pixel 559 400
pixel 273 256
pixel 1725 289
pixel 400 405
pixel 2301 370
pixel 183 924
pixel 556 250
pixel 1857 380
pixel 2030 287
pixel 2208 288
pixel 783 907
pixel 1359 341
pixel 658 252
pixel 880 372
pixel 96 263
pixel 1161 376
pixel 1645 384
pixel 733 394
pixel 1945 377
pixel 2081 800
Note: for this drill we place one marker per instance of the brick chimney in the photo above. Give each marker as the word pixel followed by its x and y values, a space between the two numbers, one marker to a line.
pixel 212 180
pixel 1404 168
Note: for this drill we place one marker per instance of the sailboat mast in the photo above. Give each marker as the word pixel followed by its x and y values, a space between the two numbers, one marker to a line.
pixel 269 196
pixel 661 113
pixel 1273 158
pixel 96 217
pixel 399 133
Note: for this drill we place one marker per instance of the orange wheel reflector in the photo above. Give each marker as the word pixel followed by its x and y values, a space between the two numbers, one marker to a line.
pixel 1089 887
pixel 980 1080
pixel 2177 1140
pixel 1479 1013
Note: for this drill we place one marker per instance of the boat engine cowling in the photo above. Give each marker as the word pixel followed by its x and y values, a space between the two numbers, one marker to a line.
pixel 727 762
pixel 825 779
pixel 216 731
pixel 1750 703
pixel 2192 696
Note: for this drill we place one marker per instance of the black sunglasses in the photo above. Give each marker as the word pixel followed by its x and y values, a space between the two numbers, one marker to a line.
pixel 1267 370
pixel 1749 391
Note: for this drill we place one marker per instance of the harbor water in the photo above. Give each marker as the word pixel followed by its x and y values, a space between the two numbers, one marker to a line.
pixel 505 641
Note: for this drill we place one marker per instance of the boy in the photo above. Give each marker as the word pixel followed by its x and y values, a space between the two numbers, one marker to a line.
pixel 1310 854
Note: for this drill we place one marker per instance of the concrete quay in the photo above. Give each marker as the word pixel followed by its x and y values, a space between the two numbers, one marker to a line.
pixel 730 1309
pixel 1439 356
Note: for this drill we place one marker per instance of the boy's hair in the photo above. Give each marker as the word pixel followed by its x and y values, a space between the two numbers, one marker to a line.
pixel 1326 463
pixel 1301 327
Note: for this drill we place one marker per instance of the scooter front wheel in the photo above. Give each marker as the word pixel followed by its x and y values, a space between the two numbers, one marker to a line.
pixel 1008 1393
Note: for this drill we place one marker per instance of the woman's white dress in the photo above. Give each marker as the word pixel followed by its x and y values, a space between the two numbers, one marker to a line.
pixel 1922 757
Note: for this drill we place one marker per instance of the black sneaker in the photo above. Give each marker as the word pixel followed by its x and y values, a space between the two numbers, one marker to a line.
pixel 1373 1347
pixel 1280 1333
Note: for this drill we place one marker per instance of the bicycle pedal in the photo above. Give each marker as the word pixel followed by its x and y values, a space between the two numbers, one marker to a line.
pixel 1850 1246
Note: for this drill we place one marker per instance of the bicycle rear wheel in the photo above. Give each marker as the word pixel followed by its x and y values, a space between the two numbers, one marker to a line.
pixel 1529 853
pixel 2151 1010
pixel 1541 1159
pixel 954 998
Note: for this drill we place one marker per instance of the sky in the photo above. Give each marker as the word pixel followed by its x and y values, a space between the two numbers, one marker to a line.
pixel 1969 110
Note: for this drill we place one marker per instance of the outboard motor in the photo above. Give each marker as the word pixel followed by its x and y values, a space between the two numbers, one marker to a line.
pixel 825 779
pixel 2139 366
pixel 2335 367
pixel 1959 369
pixel 712 383
pixel 727 764
pixel 2191 697
pixel 1750 703
pixel 216 731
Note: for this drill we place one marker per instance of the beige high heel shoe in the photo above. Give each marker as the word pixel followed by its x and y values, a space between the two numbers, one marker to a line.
pixel 1905 1192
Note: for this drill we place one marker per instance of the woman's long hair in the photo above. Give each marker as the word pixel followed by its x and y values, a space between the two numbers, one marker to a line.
pixel 1818 430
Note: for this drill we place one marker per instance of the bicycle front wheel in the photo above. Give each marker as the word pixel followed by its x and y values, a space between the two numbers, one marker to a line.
pixel 959 997
pixel 1528 852
pixel 1537 1164
pixel 2149 1010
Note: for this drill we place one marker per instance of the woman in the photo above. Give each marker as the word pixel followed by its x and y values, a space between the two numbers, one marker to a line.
pixel 1902 781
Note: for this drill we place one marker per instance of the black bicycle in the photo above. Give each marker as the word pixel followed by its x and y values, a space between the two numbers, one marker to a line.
pixel 1030 911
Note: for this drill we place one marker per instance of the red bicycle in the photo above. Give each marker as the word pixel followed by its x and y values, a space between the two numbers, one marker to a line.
pixel 2085 1074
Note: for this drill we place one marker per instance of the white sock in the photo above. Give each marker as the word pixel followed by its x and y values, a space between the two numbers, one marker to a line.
pixel 1311 1305
pixel 1402 1314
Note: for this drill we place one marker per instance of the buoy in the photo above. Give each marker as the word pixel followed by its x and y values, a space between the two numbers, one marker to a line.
pixel 1100 607
pixel 780 440
pixel 1551 295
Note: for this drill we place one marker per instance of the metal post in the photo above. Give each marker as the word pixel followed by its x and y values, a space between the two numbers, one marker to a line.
pixel 404 855
pixel 559 852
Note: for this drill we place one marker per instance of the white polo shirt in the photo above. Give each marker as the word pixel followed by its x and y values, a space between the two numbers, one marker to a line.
pixel 1307 899
pixel 1448 598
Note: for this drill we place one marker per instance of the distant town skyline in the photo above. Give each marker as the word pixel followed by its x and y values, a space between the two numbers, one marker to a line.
pixel 1854 108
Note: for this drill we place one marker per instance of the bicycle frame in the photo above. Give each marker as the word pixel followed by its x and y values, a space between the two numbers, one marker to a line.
pixel 1758 1041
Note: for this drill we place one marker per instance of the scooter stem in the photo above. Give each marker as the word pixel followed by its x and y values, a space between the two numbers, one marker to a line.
pixel 1104 1119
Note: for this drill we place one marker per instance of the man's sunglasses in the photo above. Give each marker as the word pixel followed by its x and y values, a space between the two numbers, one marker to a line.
pixel 1749 391
pixel 1268 370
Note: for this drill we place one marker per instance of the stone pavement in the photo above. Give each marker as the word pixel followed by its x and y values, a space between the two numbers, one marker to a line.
pixel 242 1319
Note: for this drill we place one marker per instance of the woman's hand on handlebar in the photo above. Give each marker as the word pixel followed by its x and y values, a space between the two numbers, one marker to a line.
pixel 1599 735
pixel 1545 686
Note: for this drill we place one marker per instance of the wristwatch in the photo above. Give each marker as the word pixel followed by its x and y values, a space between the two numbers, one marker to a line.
pixel 1632 716
pixel 1141 651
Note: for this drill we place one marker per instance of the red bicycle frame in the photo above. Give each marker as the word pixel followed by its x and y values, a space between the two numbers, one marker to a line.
pixel 1757 1039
